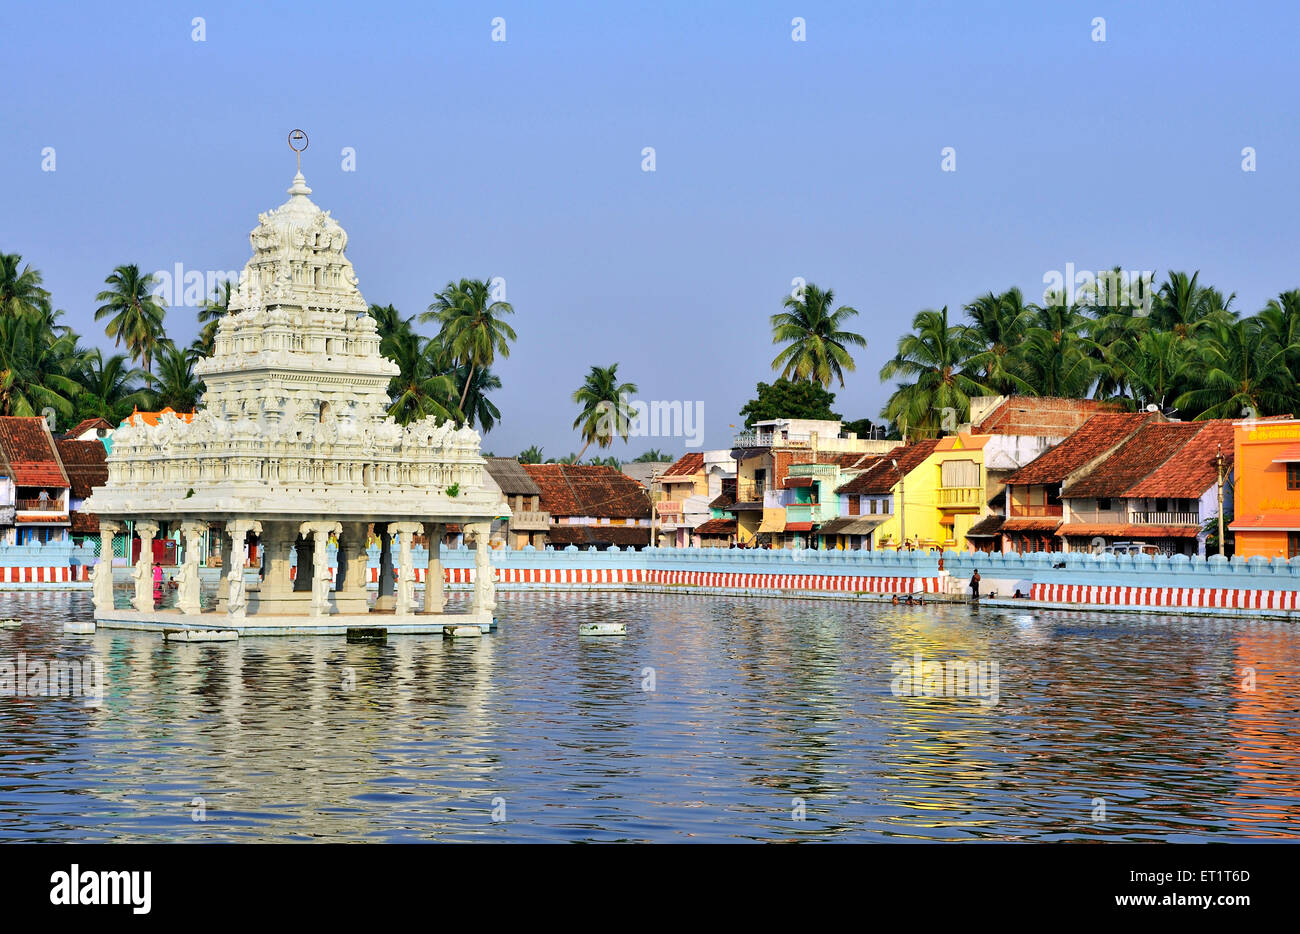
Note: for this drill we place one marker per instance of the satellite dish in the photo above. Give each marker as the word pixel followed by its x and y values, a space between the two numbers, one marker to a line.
pixel 50 417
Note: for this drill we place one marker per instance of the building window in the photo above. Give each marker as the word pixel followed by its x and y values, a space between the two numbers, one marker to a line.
pixel 1293 476
pixel 1103 504
pixel 1292 539
pixel 855 506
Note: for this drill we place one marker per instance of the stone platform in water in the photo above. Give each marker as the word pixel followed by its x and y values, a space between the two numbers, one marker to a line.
pixel 416 624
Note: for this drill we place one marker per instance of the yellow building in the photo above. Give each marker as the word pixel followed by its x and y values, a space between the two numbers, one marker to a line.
pixel 924 495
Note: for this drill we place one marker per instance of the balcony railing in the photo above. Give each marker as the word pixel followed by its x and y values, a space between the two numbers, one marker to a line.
pixel 767 439
pixel 668 507
pixel 1029 512
pixel 40 505
pixel 1165 518
pixel 747 491
pixel 961 496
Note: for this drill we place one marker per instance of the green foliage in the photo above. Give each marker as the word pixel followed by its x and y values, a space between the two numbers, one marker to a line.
pixel 453 490
pixel 789 399
pixel 652 456
pixel 1179 346
pixel 530 455
pixel 134 318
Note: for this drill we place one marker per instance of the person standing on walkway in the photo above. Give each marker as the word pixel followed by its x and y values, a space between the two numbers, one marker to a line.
pixel 975 585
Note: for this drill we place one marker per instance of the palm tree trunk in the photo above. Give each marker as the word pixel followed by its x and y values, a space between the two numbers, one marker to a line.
pixel 583 451
pixel 465 392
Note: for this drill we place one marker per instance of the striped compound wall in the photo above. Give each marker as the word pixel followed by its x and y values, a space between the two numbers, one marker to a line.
pixel 721 580
pixel 1219 598
pixel 44 575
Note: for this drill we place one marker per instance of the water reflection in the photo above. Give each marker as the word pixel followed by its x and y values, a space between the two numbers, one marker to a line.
pixel 761 711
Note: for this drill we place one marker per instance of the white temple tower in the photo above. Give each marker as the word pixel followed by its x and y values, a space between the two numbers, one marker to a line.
pixel 292 443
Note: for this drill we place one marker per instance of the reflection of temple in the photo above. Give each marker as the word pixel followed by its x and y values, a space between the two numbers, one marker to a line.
pixel 292 444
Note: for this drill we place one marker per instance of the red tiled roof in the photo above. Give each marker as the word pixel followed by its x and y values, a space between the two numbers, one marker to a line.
pixel 716 527
pixel 29 449
pixel 988 527
pixel 84 523
pixel 1124 530
pixel 1097 436
pixel 798 526
pixel 1192 469
pixel 621 535
pixel 86 425
pixel 1047 524
pixel 584 490
pixel 727 497
pixel 1044 417
pixel 881 477
pixel 792 482
pixel 84 463
pixel 1135 459
pixel 685 466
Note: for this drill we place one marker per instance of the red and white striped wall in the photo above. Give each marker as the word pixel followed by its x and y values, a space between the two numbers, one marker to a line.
pixel 1221 598
pixel 713 579
pixel 55 575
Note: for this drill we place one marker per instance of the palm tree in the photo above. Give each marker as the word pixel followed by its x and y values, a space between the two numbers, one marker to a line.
pixel 652 456
pixel 999 328
pixel 566 459
pixel 388 323
pixel 1154 367
pixel 108 388
pixel 471 326
pixel 478 408
pixel 603 399
pixel 1244 373
pixel 134 317
pixel 34 367
pixel 530 455
pixel 610 461
pixel 936 358
pixel 210 314
pixel 1185 307
pixel 177 387
pixel 816 343
pixel 21 292
pixel 1280 322
pixel 1056 357
pixel 422 387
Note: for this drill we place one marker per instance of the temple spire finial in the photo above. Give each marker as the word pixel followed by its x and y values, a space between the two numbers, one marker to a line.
pixel 298 142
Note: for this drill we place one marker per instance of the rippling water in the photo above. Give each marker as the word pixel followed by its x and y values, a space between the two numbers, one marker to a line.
pixel 763 711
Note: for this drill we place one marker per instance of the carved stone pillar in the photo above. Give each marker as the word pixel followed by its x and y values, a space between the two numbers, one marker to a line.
pixel 320 577
pixel 103 582
pixel 187 596
pixel 143 571
pixel 435 597
pixel 386 599
pixel 236 596
pixel 276 540
pixel 405 598
pixel 485 600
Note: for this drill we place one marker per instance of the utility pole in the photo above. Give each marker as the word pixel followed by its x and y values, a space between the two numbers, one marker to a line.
pixel 1218 460
pixel 900 507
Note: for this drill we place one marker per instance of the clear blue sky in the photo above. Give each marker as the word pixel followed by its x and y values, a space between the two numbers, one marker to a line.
pixel 775 159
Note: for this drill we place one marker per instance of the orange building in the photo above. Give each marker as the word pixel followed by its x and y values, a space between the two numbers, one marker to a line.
pixel 1267 495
